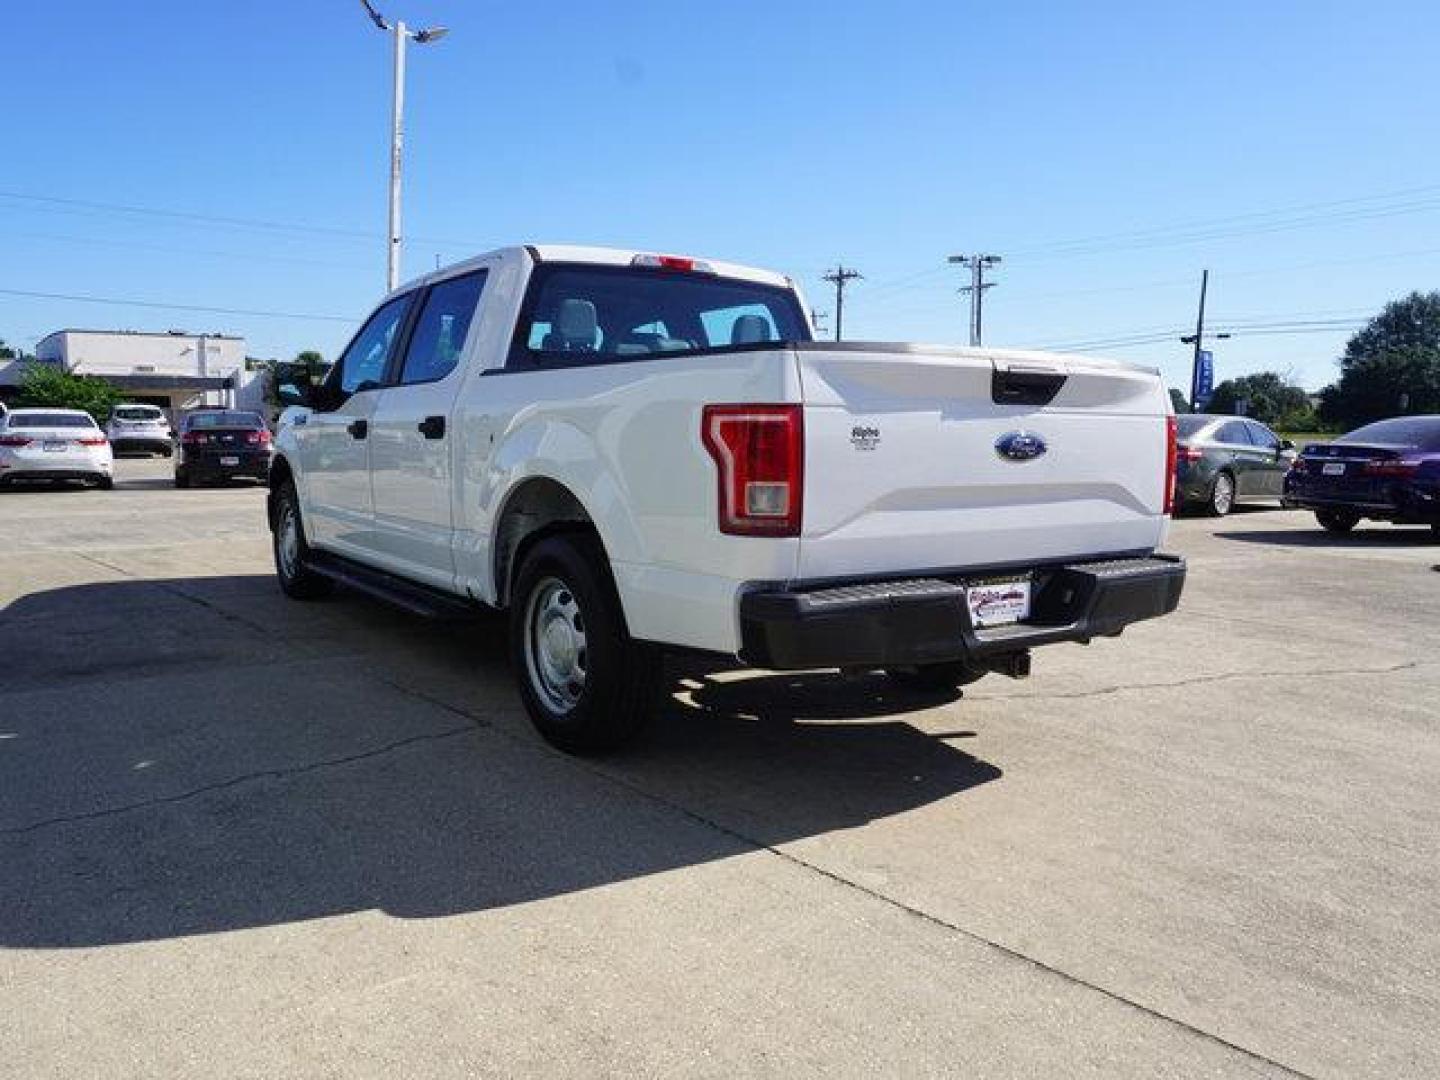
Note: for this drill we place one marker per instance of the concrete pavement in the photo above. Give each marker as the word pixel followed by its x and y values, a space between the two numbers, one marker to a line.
pixel 249 837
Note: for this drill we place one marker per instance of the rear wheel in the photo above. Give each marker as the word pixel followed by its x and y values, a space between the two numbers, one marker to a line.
pixel 105 483
pixel 292 554
pixel 1337 521
pixel 1222 495
pixel 182 478
pixel 586 685
pixel 945 676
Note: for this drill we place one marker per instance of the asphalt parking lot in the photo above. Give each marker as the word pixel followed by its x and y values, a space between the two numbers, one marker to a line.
pixel 247 837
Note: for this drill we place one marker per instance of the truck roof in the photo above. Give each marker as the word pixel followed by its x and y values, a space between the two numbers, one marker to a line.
pixel 600 256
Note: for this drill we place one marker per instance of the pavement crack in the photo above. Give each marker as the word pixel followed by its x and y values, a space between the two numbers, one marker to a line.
pixel 1200 680
pixel 938 921
pixel 246 778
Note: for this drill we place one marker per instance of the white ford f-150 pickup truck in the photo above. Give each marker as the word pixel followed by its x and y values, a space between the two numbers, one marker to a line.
pixel 636 452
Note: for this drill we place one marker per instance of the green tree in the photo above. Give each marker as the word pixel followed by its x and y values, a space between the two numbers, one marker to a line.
pixel 1412 322
pixel 1178 401
pixel 6 352
pixel 1391 367
pixel 311 360
pixel 1395 383
pixel 1270 398
pixel 48 386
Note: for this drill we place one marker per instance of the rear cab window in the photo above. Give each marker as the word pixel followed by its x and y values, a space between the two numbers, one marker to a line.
pixel 585 314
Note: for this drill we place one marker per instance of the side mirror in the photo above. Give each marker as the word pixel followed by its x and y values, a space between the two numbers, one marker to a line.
pixel 290 394
pixel 1286 444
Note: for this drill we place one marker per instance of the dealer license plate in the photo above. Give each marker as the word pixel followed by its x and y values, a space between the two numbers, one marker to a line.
pixel 229 461
pixel 54 446
pixel 1333 468
pixel 998 603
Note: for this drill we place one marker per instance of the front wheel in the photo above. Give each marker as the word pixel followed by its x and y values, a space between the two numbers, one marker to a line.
pixel 947 676
pixel 297 580
pixel 1337 521
pixel 586 685
pixel 105 483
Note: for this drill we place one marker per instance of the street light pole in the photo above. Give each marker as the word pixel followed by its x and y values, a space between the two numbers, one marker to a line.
pixel 397 143
pixel 397 129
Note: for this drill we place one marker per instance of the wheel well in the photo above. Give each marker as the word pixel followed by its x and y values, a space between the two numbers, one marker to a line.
pixel 279 474
pixel 536 509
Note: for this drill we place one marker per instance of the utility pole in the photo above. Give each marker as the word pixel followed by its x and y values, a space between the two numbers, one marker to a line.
pixel 816 318
pixel 397 129
pixel 1198 340
pixel 976 264
pixel 840 277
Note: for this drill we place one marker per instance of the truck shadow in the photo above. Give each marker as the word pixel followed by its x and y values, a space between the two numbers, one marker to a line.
pixel 195 756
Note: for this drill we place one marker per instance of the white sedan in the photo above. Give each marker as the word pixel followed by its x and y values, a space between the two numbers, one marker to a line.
pixel 54 444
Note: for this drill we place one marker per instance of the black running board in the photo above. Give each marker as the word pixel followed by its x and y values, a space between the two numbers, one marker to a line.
pixel 407 595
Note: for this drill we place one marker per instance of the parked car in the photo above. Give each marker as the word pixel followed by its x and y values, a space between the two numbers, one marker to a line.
pixel 144 428
pixel 633 452
pixel 1224 460
pixel 1385 471
pixel 54 444
pixel 220 444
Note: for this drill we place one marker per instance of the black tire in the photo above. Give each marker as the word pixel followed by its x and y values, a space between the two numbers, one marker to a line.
pixel 1339 522
pixel 167 452
pixel 587 686
pixel 1222 495
pixel 105 483
pixel 947 676
pixel 182 478
pixel 292 553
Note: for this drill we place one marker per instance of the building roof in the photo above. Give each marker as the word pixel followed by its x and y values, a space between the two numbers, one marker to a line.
pixel 146 333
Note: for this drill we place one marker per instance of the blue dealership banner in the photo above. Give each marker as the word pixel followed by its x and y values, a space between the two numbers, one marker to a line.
pixel 1204 378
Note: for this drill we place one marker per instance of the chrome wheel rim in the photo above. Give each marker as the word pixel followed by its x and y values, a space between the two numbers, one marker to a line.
pixel 1224 494
pixel 555 646
pixel 287 541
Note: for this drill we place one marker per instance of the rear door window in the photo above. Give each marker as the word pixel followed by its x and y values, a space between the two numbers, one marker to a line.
pixel 441 329
pixel 1233 433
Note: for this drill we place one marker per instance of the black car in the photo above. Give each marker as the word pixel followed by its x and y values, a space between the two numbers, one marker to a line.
pixel 217 444
pixel 1223 460
pixel 1385 471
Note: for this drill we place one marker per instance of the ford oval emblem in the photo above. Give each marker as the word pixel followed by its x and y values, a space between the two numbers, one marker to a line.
pixel 1020 445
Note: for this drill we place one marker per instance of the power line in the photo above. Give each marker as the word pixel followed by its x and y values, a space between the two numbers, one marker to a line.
pixel 215 219
pixel 840 277
pixel 121 302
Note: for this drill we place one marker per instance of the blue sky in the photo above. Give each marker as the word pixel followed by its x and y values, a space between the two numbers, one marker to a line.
pixel 1107 151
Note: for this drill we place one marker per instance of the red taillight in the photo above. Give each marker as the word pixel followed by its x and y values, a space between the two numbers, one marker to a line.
pixel 194 438
pixel 14 440
pixel 260 437
pixel 673 262
pixel 1190 454
pixel 1299 465
pixel 93 440
pixel 1393 467
pixel 1171 453
pixel 759 453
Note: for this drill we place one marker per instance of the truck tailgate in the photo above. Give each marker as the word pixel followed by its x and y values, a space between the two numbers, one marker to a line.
pixel 927 458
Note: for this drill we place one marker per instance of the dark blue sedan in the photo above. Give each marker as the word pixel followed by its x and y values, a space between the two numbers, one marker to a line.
pixel 1385 471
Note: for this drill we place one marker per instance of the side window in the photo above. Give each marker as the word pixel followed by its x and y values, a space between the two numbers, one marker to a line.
pixel 1262 436
pixel 364 361
pixel 1233 433
pixel 440 331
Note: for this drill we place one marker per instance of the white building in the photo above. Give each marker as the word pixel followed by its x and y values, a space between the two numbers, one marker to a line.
pixel 175 370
